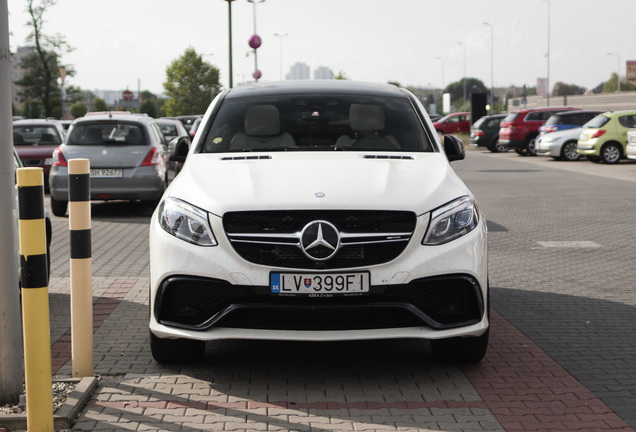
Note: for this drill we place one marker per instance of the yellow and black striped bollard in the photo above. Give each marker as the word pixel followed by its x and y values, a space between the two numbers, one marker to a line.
pixel 35 299
pixel 79 219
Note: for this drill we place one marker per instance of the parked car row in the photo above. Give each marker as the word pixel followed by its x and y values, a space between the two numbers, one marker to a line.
pixel 563 133
pixel 128 154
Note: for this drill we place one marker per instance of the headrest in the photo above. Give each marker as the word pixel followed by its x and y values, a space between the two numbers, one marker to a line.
pixel 364 117
pixel 262 120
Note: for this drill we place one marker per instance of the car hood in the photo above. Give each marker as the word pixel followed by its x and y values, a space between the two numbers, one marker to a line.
pixel 416 182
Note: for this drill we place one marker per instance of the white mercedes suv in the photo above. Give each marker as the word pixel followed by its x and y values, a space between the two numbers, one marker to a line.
pixel 319 211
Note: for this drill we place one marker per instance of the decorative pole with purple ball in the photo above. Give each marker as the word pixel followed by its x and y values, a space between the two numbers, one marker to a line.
pixel 254 43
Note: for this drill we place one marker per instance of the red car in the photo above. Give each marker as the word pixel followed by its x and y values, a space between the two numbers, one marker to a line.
pixel 519 129
pixel 35 140
pixel 453 123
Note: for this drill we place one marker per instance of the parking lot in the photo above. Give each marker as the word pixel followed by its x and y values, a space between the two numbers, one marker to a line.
pixel 562 356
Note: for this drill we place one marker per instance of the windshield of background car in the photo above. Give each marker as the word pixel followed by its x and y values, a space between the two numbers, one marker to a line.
pixel 597 122
pixel 168 129
pixel 510 117
pixel 32 135
pixel 316 122
pixel 107 132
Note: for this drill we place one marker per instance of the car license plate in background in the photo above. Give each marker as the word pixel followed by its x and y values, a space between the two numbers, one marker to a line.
pixel 106 172
pixel 319 283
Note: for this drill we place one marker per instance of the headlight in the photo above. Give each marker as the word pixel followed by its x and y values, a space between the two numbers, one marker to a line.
pixel 186 222
pixel 451 221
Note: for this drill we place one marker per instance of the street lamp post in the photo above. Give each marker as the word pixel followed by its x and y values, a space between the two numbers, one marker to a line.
pixel 62 71
pixel 547 84
pixel 618 71
pixel 229 17
pixel 492 65
pixel 464 45
pixel 280 40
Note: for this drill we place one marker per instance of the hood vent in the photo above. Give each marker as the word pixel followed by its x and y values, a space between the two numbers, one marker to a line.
pixel 245 157
pixel 388 157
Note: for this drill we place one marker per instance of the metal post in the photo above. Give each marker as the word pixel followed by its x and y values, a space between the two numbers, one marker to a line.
pixel 229 11
pixel 35 300
pixel 79 220
pixel 10 329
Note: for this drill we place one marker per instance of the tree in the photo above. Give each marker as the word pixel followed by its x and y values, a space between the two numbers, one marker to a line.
pixel 562 89
pixel 456 90
pixel 341 76
pixel 190 84
pixel 78 109
pixel 99 105
pixel 611 85
pixel 42 66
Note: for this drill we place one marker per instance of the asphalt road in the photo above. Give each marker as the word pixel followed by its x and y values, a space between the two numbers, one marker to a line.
pixel 562 242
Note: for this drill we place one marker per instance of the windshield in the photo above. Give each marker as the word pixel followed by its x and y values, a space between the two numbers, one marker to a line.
pixel 315 122
pixel 35 135
pixel 107 132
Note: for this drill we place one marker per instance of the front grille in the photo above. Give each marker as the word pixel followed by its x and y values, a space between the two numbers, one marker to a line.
pixel 272 238
pixel 199 303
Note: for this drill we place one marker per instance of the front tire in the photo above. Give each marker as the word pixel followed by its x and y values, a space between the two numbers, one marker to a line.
pixel 176 350
pixel 58 208
pixel 569 153
pixel 461 349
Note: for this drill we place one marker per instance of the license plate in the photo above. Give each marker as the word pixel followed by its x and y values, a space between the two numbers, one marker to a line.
pixel 319 283
pixel 106 172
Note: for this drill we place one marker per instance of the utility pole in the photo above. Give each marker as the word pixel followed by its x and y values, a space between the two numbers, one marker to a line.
pixel 10 324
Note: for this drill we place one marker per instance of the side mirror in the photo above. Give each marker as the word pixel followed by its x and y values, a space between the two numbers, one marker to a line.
pixel 178 149
pixel 454 148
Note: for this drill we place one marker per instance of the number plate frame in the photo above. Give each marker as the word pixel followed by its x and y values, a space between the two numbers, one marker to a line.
pixel 320 284
pixel 107 173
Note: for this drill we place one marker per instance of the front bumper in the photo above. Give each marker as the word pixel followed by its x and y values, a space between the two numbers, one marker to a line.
pixel 211 293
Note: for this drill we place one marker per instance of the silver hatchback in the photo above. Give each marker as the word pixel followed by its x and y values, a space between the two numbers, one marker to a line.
pixel 127 156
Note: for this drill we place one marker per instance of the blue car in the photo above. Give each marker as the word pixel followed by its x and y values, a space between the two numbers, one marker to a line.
pixel 567 120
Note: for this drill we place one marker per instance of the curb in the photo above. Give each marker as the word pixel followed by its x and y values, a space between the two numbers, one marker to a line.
pixel 65 414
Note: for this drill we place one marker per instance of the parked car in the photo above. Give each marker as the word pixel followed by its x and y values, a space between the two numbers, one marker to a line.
pixel 171 128
pixel 630 149
pixel 318 210
pixel 127 156
pixel 519 129
pixel 604 138
pixel 195 126
pixel 560 145
pixel 48 227
pixel 485 133
pixel 453 123
pixel 35 141
pixel 188 120
pixel 567 120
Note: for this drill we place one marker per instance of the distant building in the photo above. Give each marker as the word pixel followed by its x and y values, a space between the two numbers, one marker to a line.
pixel 323 72
pixel 17 73
pixel 298 71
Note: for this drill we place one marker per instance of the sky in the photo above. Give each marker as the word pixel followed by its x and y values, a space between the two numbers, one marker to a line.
pixel 128 44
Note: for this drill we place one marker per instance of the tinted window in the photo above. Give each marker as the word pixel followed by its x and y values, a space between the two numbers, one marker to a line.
pixel 493 123
pixel 597 122
pixel 31 135
pixel 510 117
pixel 315 122
pixel 479 122
pixel 628 121
pixel 555 119
pixel 107 132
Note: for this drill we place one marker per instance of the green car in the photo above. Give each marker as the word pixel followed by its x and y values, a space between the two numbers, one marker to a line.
pixel 604 138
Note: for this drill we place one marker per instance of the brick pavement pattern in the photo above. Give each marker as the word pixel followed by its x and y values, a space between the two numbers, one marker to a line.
pixel 370 386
